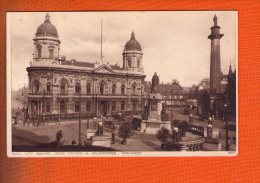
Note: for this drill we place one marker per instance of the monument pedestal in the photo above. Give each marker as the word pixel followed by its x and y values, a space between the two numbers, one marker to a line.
pixel 153 125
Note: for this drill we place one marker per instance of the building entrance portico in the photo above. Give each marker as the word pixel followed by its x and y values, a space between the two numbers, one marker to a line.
pixel 103 107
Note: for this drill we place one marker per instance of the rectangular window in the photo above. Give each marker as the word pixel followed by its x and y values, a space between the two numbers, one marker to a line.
pixel 62 106
pixel 77 106
pixel 138 63
pixel 48 107
pixel 88 106
pixel 123 105
pixel 129 63
pixel 39 52
pixel 113 106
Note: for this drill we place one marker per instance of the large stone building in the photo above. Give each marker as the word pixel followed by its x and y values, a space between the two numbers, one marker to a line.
pixel 66 88
pixel 172 93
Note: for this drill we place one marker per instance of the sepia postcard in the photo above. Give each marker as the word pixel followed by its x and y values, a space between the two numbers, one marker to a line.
pixel 122 83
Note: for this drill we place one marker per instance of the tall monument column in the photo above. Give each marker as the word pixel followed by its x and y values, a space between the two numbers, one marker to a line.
pixel 215 64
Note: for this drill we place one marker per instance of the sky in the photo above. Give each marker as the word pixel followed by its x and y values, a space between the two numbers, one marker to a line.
pixel 175 43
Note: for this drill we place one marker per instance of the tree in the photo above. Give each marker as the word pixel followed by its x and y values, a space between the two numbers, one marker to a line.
pixel 163 135
pixel 125 131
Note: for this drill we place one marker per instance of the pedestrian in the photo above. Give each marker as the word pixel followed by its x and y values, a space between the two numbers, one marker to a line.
pixel 210 121
pixel 33 121
pixel 73 142
pixel 113 137
pixel 42 121
pixel 190 118
pixel 100 128
pixel 229 142
pixel 24 121
pixel 38 122
pixel 59 137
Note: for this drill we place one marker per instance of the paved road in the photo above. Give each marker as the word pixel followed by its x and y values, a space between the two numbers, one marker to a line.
pixel 139 141
pixel 45 134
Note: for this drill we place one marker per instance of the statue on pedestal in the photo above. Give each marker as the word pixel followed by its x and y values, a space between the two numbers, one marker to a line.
pixel 145 113
pixel 164 114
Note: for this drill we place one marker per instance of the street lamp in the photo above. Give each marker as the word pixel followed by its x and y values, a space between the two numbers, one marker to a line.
pixel 171 105
pixel 227 145
pixel 80 115
pixel 175 131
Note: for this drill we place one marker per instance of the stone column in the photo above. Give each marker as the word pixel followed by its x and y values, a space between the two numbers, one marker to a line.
pixel 215 65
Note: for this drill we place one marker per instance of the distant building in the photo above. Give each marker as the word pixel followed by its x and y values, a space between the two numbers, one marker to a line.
pixel 65 88
pixel 172 93
pixel 231 91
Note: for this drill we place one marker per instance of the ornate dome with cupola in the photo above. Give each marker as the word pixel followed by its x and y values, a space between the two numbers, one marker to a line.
pixel 133 55
pixel 46 42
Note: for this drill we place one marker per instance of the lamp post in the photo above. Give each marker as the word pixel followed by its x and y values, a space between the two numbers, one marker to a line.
pixel 79 115
pixel 175 131
pixel 88 108
pixel 227 144
pixel 23 95
pixel 171 105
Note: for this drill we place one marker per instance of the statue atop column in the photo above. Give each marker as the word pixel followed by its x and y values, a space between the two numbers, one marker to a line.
pixel 155 84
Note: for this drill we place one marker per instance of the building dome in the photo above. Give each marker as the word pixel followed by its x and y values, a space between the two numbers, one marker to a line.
pixel 133 44
pixel 46 28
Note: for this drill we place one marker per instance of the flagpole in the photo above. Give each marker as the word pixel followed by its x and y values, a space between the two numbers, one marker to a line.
pixel 101 56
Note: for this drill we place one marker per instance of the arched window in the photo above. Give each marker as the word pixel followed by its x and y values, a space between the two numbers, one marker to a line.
pixel 123 89
pixel 101 88
pixel 77 106
pixel 138 63
pixel 34 107
pixel 113 105
pixel 51 53
pixel 88 106
pixel 88 88
pixel 39 51
pixel 134 88
pixel 36 87
pixel 48 87
pixel 63 87
pixel 62 106
pixel 77 88
pixel 114 89
pixel 48 107
pixel 123 105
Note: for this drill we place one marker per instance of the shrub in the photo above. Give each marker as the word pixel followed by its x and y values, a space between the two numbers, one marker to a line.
pixel 163 135
pixel 125 131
